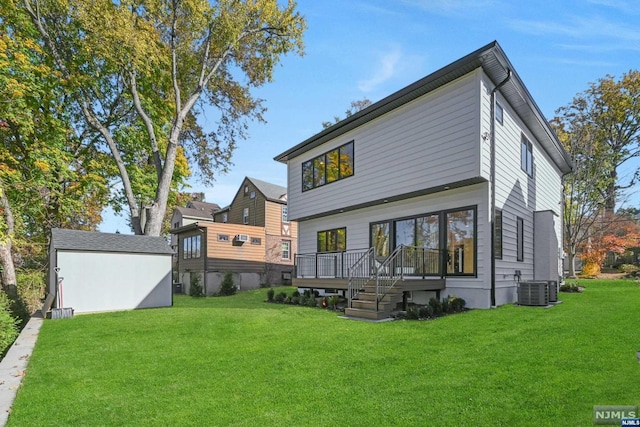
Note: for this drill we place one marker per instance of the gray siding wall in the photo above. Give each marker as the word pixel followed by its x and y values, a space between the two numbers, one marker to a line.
pixel 517 194
pixel 429 142
pixel 99 281
pixel 475 290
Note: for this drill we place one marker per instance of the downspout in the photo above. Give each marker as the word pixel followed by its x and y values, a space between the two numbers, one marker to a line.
pixel 492 144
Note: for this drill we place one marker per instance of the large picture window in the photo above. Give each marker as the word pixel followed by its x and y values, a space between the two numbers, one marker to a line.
pixel 444 240
pixel 332 240
pixel 329 167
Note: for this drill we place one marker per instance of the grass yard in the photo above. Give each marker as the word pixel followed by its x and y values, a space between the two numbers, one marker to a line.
pixel 238 361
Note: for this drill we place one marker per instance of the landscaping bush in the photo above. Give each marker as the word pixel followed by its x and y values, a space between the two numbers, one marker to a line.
pixel 270 294
pixel 195 288
pixel 29 294
pixel 436 306
pixel 333 302
pixel 456 304
pixel 227 287
pixel 8 324
pixel 425 312
pixel 281 297
pixel 311 301
pixel 570 287
pixel 295 300
pixel 295 294
pixel 629 268
pixel 412 313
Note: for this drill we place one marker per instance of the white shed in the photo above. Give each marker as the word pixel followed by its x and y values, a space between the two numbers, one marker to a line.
pixel 107 272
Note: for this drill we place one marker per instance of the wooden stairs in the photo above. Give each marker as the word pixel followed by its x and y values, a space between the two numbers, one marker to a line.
pixel 364 306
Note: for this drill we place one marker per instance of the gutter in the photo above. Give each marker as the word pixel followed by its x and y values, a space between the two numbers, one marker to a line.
pixel 492 142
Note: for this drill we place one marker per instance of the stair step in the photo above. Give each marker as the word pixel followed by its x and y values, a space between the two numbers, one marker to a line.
pixel 372 288
pixel 365 314
pixel 371 305
pixel 371 296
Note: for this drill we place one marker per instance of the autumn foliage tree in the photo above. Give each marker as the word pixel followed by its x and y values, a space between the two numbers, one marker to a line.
pixel 142 74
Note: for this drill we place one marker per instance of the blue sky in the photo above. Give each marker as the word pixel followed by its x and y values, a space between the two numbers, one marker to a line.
pixel 358 49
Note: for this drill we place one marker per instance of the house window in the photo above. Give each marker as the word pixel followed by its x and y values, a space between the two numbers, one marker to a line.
pixel 176 224
pixel 286 249
pixel 497 226
pixel 520 238
pixel 191 247
pixel 285 213
pixel 223 237
pixel 252 195
pixel 526 156
pixel 256 241
pixel 225 217
pixel 499 113
pixel 329 167
pixel 245 216
pixel 332 240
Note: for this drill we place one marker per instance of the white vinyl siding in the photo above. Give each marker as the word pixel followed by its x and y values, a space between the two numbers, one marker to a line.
pixel 429 142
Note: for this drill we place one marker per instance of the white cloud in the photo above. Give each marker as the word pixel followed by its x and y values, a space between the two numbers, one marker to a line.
pixel 384 70
pixel 452 7
pixel 580 28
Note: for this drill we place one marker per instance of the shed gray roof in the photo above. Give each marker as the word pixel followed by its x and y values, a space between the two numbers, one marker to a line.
pixel 495 64
pixel 107 242
pixel 272 192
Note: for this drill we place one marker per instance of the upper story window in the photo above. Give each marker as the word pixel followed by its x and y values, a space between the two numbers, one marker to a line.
pixel 225 217
pixel 329 167
pixel 191 247
pixel 332 240
pixel 499 113
pixel 245 216
pixel 285 213
pixel 526 156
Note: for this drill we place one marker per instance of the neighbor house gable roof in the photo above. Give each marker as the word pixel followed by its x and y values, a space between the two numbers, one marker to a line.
pixel 195 213
pixel 272 192
pixel 94 241
pixel 496 66
pixel 206 207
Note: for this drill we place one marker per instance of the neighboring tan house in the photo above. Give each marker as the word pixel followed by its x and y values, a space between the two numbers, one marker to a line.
pixel 437 189
pixel 252 238
pixel 194 211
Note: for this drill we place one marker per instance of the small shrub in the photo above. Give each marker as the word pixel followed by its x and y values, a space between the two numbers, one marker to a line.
pixel 280 297
pixel 195 289
pixel 629 268
pixel 307 293
pixel 570 287
pixel 227 287
pixel 295 300
pixel 270 294
pixel 287 300
pixel 425 312
pixel 311 301
pixel 8 325
pixel 412 313
pixel 457 304
pixel 333 302
pixel 436 306
pixel 446 307
pixel 295 294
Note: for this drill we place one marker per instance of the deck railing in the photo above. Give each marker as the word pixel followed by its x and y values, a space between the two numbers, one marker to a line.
pixel 327 265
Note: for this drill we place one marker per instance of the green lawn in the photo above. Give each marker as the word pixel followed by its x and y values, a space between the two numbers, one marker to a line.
pixel 238 361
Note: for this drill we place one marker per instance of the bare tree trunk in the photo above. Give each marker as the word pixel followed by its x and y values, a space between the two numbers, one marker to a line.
pixel 572 264
pixel 8 274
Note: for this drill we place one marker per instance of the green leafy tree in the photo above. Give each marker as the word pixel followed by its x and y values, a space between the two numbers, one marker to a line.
pixel 142 73
pixel 354 107
pixel 610 108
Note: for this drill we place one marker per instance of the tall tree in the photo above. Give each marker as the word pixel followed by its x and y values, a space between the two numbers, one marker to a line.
pixel 143 72
pixel 612 109
pixel 585 187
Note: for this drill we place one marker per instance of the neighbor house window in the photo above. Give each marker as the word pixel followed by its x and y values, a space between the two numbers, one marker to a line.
pixel 223 237
pixel 497 224
pixel 285 213
pixel 332 240
pixel 191 247
pixel 460 241
pixel 225 217
pixel 245 216
pixel 520 238
pixel 256 241
pixel 499 113
pixel 526 156
pixel 286 249
pixel 329 167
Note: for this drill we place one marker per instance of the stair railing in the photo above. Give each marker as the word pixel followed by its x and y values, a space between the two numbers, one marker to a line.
pixel 360 273
pixel 389 273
